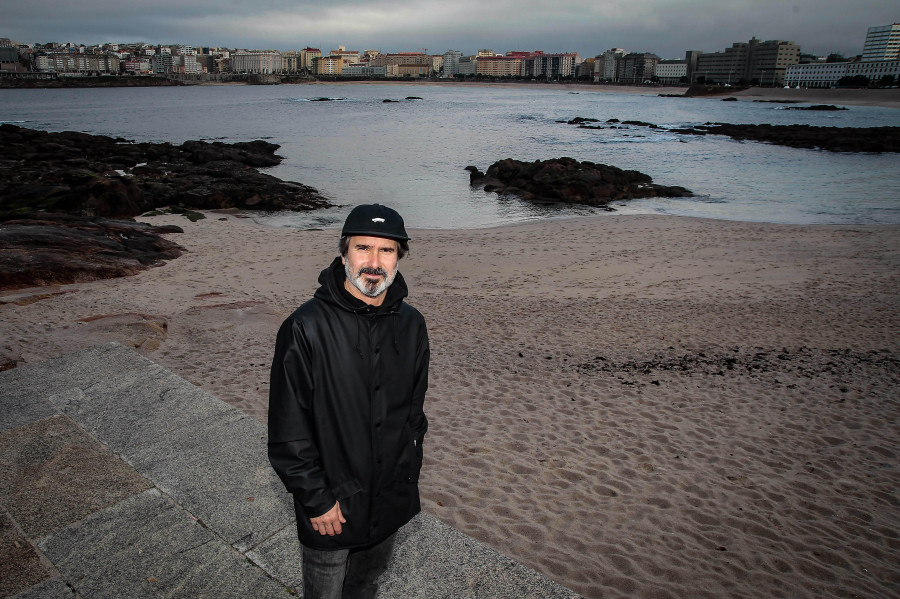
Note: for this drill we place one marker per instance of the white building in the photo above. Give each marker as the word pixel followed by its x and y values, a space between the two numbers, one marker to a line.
pixel 451 63
pixel 671 71
pixel 468 65
pixel 257 62
pixel 875 70
pixel 882 43
pixel 816 74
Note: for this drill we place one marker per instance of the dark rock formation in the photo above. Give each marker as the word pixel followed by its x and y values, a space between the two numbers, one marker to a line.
pixel 701 91
pixel 832 139
pixel 570 181
pixel 53 249
pixel 825 107
pixel 96 175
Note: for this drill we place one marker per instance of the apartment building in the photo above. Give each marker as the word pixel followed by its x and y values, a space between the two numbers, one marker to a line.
pixel 637 67
pixel 348 56
pixel 882 43
pixel 366 70
pixel 307 56
pixel 256 62
pixel 290 61
pixel 499 66
pixel 671 72
pixel 186 64
pixel 451 63
pixel 772 58
pixel 585 69
pixel 817 74
pixel 161 63
pixel 136 67
pixel 328 65
pixel 551 66
pixel 76 63
pixel 605 65
pixel 414 70
pixel 468 65
pixel 874 70
pixel 401 58
pixel 765 62
pixel 9 58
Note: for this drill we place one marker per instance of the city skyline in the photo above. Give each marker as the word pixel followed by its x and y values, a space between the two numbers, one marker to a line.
pixel 667 29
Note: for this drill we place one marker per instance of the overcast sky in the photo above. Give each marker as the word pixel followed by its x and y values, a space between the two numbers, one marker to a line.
pixel 664 27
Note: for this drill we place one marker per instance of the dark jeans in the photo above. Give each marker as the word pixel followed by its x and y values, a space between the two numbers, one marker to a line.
pixel 345 573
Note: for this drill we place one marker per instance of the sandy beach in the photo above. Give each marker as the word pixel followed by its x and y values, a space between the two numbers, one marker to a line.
pixel 641 406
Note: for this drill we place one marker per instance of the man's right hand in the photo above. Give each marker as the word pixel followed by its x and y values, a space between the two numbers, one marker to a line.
pixel 330 522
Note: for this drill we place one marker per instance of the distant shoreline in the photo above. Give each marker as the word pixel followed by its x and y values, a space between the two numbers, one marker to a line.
pixel 885 98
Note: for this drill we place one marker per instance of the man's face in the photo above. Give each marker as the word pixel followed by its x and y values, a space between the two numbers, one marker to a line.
pixel 371 265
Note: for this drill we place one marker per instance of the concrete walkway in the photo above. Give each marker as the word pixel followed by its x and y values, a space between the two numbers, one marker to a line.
pixel 118 479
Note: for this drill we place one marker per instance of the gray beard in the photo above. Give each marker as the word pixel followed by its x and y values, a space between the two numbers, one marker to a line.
pixel 366 288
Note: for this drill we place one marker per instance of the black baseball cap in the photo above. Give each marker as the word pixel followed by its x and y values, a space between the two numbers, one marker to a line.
pixel 375 220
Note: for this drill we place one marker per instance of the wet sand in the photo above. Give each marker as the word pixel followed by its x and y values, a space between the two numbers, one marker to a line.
pixel 641 406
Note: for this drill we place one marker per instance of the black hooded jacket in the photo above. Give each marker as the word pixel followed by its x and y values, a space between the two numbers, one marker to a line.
pixel 346 419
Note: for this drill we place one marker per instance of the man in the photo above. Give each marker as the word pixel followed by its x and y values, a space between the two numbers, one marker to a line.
pixel 346 419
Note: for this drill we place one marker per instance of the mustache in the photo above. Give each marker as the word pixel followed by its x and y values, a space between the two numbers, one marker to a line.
pixel 365 270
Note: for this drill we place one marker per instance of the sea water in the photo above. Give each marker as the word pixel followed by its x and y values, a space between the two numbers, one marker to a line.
pixel 411 153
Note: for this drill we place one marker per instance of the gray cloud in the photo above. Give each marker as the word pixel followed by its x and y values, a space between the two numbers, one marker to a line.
pixel 665 27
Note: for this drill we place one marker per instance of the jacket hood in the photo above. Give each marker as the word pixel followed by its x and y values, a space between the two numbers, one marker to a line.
pixel 331 289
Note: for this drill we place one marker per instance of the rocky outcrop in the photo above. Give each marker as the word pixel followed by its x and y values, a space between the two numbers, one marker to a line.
pixel 61 249
pixel 703 91
pixel 570 181
pixel 832 139
pixel 818 107
pixel 96 175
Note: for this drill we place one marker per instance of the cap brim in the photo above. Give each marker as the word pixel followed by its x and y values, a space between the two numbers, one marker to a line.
pixel 376 234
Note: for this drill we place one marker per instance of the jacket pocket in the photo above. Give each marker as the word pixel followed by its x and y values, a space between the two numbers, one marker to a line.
pixel 410 462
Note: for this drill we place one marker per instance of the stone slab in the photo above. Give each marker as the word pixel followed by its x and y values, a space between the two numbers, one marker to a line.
pixel 53 473
pixel 148 546
pixel 24 391
pixel 19 405
pixel 280 556
pixel 130 408
pixel 219 471
pixel 435 561
pixel 20 565
pixel 53 588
